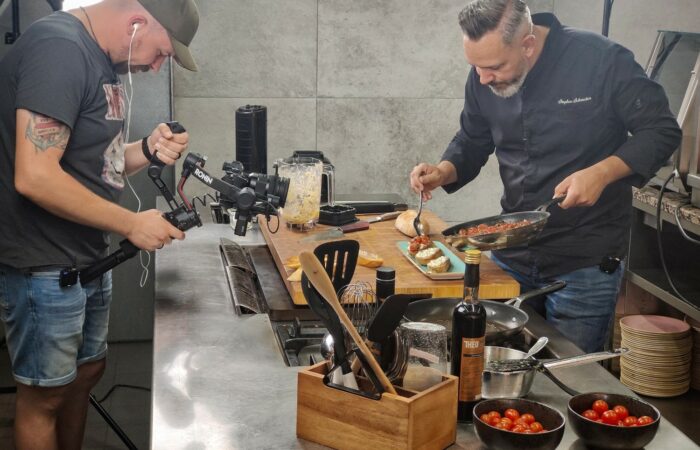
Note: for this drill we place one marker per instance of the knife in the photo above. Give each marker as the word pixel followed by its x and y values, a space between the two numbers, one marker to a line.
pixel 337 232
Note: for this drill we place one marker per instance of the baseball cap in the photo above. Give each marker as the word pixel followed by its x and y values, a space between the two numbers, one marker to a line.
pixel 181 19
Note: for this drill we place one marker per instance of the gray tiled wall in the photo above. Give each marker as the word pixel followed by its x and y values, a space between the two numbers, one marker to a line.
pixel 375 84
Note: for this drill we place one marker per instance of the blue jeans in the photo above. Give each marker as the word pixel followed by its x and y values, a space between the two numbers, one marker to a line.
pixel 583 311
pixel 52 330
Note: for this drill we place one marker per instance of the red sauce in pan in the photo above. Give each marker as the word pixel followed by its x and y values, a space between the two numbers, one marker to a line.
pixel 495 228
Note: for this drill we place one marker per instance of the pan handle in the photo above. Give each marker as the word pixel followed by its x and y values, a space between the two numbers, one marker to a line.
pixel 544 206
pixel 557 285
pixel 585 359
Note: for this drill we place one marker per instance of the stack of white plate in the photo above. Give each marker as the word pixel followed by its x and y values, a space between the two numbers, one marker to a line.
pixel 658 363
pixel 695 368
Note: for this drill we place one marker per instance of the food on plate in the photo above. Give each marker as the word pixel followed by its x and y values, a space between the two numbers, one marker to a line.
pixel 618 415
pixel 494 228
pixel 404 223
pixel 425 256
pixel 439 265
pixel 367 259
pixel 419 243
pixel 513 421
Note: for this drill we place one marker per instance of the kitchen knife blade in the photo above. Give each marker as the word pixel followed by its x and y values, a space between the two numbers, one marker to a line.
pixel 337 232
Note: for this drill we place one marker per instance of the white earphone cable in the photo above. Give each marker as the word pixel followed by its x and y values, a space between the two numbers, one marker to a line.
pixel 129 100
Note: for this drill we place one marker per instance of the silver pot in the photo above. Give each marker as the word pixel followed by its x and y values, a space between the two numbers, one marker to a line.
pixel 505 384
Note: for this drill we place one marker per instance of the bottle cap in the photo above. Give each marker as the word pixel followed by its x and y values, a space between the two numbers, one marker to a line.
pixel 386 273
pixel 472 256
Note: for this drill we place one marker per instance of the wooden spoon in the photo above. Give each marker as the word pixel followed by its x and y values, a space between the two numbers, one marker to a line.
pixel 319 279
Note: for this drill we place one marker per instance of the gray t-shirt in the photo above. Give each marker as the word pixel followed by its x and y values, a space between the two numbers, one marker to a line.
pixel 57 69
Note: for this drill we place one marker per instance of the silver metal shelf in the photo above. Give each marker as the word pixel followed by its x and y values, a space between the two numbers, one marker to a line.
pixel 654 281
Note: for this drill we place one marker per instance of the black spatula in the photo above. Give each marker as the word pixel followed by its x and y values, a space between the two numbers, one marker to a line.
pixel 339 258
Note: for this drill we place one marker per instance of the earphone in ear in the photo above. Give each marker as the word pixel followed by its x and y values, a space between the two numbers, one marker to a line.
pixel 136 27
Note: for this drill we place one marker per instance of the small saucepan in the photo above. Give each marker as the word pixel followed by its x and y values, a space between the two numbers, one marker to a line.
pixel 511 384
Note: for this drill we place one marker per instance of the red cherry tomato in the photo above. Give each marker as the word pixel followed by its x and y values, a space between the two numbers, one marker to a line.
pixel 609 417
pixel 630 421
pixel 512 414
pixel 528 431
pixel 519 428
pixel 507 423
pixel 528 418
pixel 644 420
pixel 600 406
pixel 590 414
pixel 536 427
pixel 502 426
pixel 621 412
pixel 493 421
pixel 495 414
pixel 485 418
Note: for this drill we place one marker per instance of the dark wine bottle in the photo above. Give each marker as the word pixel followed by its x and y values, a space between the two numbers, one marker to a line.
pixel 468 337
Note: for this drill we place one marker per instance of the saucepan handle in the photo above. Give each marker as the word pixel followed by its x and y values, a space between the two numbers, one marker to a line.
pixel 557 285
pixel 543 207
pixel 585 359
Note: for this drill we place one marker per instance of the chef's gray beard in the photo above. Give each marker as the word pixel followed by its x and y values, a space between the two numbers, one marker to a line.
pixel 512 88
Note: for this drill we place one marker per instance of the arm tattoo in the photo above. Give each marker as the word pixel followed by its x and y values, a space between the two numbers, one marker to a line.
pixel 46 132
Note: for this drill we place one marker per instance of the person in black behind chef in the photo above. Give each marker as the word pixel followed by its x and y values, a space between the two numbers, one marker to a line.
pixel 567 112
pixel 63 163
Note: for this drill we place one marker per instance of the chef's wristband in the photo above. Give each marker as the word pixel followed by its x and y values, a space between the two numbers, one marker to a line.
pixel 146 151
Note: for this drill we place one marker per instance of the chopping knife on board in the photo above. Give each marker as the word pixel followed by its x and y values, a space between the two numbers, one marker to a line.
pixel 340 231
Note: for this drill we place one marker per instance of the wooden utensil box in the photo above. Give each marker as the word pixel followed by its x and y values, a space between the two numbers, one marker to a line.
pixel 342 420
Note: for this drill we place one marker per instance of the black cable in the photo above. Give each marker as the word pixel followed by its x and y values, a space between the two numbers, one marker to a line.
pixel 130 386
pixel 677 215
pixel 658 236
pixel 203 199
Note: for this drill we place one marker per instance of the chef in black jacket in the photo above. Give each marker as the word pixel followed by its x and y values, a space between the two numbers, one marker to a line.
pixel 569 112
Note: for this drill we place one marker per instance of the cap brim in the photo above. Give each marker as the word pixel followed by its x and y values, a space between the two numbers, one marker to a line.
pixel 183 56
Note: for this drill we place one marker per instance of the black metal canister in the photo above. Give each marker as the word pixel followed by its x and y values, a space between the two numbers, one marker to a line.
pixel 251 138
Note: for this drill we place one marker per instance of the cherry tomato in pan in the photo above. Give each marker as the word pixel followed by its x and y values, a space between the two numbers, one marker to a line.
pixel 528 418
pixel 485 418
pixel 644 420
pixel 512 414
pixel 536 427
pixel 600 406
pixel 621 412
pixel 609 417
pixel 630 421
pixel 590 414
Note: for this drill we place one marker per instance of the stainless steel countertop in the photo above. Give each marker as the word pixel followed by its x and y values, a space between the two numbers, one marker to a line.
pixel 219 380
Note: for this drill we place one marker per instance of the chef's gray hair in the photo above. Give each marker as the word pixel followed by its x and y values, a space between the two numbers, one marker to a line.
pixel 481 16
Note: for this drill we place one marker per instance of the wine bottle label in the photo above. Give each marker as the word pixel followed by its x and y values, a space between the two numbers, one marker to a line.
pixel 471 368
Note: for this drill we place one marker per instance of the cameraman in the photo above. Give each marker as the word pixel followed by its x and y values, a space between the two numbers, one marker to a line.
pixel 63 163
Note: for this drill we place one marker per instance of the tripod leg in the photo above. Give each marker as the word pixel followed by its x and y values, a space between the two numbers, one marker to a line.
pixel 112 424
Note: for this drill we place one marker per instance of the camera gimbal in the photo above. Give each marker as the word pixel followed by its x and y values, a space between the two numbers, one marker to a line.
pixel 249 194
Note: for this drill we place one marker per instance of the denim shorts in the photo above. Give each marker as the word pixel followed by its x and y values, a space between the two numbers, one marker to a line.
pixel 51 330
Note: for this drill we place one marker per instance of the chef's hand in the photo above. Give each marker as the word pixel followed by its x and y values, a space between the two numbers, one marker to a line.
pixel 166 145
pixel 583 188
pixel 426 177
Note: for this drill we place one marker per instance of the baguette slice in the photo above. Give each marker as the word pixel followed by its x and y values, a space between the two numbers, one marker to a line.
pixel 425 256
pixel 439 265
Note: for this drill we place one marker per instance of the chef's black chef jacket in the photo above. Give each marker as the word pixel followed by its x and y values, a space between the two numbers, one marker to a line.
pixel 584 100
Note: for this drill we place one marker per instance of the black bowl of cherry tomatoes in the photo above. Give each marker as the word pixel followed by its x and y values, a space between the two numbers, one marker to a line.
pixel 613 420
pixel 518 424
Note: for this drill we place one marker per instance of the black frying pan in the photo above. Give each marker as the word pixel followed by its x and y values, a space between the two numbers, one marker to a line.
pixel 502 319
pixel 508 238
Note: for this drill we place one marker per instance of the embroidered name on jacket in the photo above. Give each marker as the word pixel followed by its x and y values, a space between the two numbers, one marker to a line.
pixel 568 101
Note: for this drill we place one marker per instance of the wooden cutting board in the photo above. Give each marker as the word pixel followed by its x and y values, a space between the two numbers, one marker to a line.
pixel 381 238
